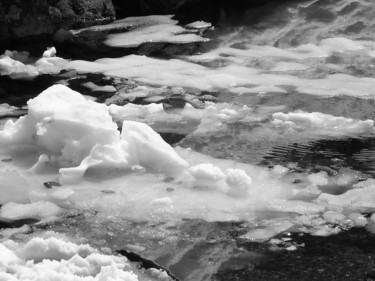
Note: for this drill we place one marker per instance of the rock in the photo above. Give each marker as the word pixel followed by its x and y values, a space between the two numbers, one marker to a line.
pixel 50 184
pixel 186 11
pixel 25 20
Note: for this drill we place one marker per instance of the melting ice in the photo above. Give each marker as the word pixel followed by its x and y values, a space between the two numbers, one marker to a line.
pixel 108 159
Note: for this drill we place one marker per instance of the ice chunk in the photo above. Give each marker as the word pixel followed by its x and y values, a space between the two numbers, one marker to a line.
pixel 148 149
pixel 295 206
pixel 358 219
pixel 8 259
pixel 360 200
pixel 167 33
pixel 238 181
pixel 62 123
pixel 198 25
pixel 37 210
pixel 138 30
pixel 21 66
pixel 206 175
pixel 334 217
pixel 289 66
pixel 134 111
pixel 325 123
pixel 50 52
pixel 56 259
pixel 264 234
pixel 79 136
pixel 318 179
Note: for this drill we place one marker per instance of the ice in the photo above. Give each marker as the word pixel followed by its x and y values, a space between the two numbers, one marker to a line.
pixel 198 25
pixel 136 175
pixel 50 52
pixel 135 111
pixel 53 258
pixel 295 206
pixel 334 217
pixel 151 29
pixel 324 124
pixel 147 149
pixel 166 33
pixel 36 210
pixel 77 135
pixel 13 187
pixel 261 235
pixel 235 73
pixel 22 66
pixel 289 66
pixel 257 90
pixel 318 179
pixel 355 200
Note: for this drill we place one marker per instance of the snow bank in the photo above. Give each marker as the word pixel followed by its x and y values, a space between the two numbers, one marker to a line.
pixel 55 259
pixel 21 66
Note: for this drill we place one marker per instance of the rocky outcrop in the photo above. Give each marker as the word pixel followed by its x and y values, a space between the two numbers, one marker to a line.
pixel 185 10
pixel 188 10
pixel 23 20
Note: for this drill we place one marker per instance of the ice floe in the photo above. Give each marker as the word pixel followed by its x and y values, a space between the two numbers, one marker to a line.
pixel 147 29
pixel 238 69
pixel 19 65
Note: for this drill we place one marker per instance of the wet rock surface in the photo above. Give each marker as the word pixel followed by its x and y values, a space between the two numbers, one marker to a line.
pixel 22 21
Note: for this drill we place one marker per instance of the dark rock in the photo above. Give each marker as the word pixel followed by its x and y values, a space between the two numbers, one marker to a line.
pixel 25 20
pixel 144 263
pixel 185 10
pixel 172 138
pixel 9 223
pixel 50 184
